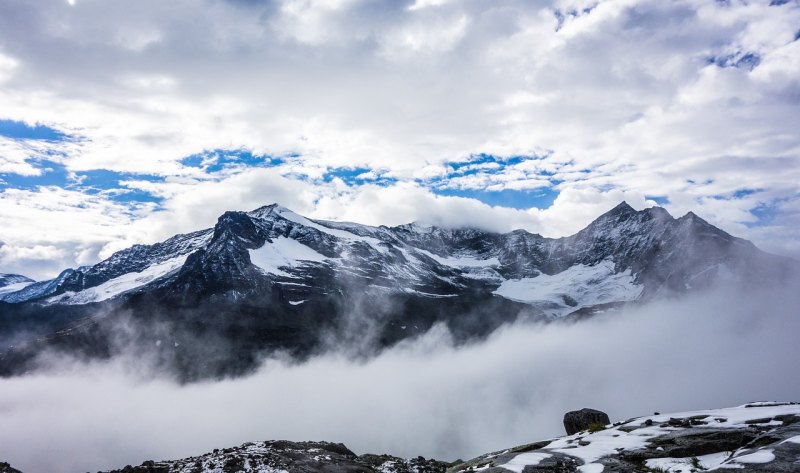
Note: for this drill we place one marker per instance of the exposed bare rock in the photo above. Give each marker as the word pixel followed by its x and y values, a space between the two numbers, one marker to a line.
pixel 284 456
pixel 575 421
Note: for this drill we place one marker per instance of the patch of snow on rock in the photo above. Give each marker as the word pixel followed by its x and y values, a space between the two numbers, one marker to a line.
pixel 14 287
pixel 760 456
pixel 795 439
pixel 283 252
pixel 591 468
pixel 518 463
pixel 121 284
pixel 684 465
pixel 581 285
pixel 461 261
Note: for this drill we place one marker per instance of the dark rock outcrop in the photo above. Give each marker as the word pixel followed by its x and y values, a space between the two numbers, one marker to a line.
pixel 6 468
pixel 283 455
pixel 576 421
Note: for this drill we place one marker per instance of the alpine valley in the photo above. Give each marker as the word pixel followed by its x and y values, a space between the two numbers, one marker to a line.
pixel 212 303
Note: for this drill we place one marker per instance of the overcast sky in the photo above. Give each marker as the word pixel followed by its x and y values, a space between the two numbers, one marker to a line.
pixel 127 122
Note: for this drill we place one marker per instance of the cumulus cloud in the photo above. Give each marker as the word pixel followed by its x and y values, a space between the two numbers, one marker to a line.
pixel 689 101
pixel 424 397
pixel 50 229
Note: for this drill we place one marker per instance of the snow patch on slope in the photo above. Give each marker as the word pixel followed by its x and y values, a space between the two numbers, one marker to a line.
pixel 14 287
pixel 120 284
pixel 573 288
pixel 759 456
pixel 711 461
pixel 289 215
pixel 591 447
pixel 283 252
pixel 336 232
pixel 518 463
pixel 460 261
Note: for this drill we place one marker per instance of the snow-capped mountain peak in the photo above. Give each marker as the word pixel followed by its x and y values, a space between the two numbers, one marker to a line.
pixel 621 256
pixel 273 279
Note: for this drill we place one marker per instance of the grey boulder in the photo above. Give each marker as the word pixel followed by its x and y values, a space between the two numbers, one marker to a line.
pixel 576 421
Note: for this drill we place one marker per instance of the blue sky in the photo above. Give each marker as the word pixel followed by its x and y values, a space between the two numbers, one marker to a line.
pixel 125 123
pixel 20 130
pixel 478 176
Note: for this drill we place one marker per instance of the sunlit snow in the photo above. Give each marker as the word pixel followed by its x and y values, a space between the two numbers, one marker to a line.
pixel 281 253
pixel 518 463
pixel 14 287
pixel 579 285
pixel 461 261
pixel 120 284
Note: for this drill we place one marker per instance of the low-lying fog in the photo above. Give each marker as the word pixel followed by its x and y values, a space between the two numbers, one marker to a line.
pixel 422 398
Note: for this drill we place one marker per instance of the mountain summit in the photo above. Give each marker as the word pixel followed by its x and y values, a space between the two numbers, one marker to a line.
pixel 273 279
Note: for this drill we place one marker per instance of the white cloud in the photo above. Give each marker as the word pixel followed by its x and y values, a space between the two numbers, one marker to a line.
pixel 422 4
pixel 7 66
pixel 622 97
pixel 425 37
pixel 52 229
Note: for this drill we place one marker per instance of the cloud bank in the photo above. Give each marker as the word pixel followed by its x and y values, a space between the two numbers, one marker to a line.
pixel 424 397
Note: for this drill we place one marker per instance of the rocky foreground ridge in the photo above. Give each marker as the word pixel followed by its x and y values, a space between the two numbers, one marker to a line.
pixel 757 437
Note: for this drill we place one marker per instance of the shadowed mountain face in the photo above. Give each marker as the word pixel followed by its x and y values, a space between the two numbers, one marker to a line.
pixel 210 303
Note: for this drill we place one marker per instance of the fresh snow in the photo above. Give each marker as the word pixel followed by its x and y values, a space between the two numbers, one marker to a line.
pixel 283 252
pixel 460 261
pixel 14 287
pixel 684 465
pixel 120 284
pixel 612 440
pixel 730 416
pixel 428 294
pixel 289 215
pixel 591 468
pixel 759 456
pixel 603 443
pixel 795 439
pixel 518 463
pixel 590 448
pixel 343 234
pixel 587 285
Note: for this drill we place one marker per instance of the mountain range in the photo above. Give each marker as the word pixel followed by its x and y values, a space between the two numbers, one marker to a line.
pixel 214 301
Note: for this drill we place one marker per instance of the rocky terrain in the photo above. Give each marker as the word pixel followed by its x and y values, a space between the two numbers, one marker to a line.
pixel 757 437
pixel 284 456
pixel 213 302
pixel 6 468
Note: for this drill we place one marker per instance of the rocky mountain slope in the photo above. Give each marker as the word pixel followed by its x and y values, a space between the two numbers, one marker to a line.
pixel 271 279
pixel 10 283
pixel 625 254
pixel 284 456
pixel 758 437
